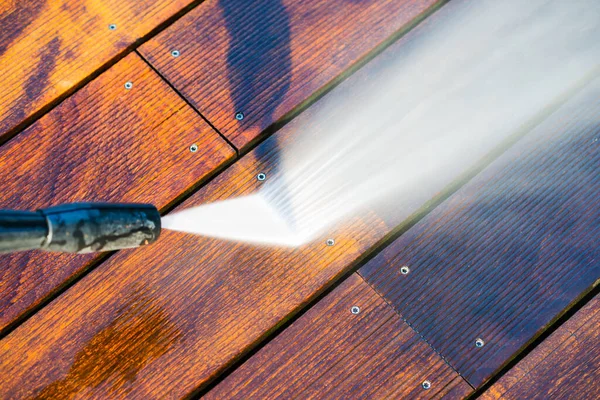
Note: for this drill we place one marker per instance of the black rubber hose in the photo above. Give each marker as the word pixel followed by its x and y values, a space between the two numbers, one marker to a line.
pixel 80 228
pixel 22 230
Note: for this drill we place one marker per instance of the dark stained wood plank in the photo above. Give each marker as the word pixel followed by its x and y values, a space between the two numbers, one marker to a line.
pixel 265 58
pixel 164 320
pixel 506 254
pixel 105 143
pixel 48 47
pixel 564 366
pixel 332 353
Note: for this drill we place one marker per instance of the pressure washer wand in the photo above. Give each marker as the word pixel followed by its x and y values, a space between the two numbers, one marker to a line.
pixel 80 228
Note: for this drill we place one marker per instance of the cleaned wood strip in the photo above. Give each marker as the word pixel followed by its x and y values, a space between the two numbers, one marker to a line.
pixel 105 143
pixel 507 253
pixel 332 353
pixel 165 320
pixel 564 366
pixel 48 47
pixel 264 58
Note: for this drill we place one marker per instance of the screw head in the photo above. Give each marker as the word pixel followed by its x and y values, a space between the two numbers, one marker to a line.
pixel 175 53
pixel 355 310
pixel 128 85
pixel 479 342
pixel 194 148
pixel 426 385
pixel 261 177
pixel 239 116
pixel 404 270
pixel 330 242
pixel 112 27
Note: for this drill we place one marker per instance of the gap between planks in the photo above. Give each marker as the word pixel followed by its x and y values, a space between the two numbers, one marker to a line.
pixel 397 232
pixel 28 121
pixel 552 327
pixel 251 146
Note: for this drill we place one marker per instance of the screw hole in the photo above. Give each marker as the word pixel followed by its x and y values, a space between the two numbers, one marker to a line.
pixel 426 385
pixel 355 310
pixel 112 27
pixel 479 342
pixel 239 116
pixel 404 270
pixel 330 242
pixel 261 177
pixel 175 53
pixel 128 85
pixel 194 148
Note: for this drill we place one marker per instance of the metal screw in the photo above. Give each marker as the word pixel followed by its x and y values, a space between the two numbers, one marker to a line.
pixel 194 148
pixel 404 270
pixel 128 85
pixel 355 310
pixel 261 177
pixel 479 342
pixel 175 53
pixel 426 385
pixel 112 27
pixel 330 242
pixel 239 116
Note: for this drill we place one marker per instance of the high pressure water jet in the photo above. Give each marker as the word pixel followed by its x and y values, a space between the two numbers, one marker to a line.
pixel 80 228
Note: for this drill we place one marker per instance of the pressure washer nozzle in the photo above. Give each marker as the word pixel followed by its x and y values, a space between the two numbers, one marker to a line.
pixel 80 227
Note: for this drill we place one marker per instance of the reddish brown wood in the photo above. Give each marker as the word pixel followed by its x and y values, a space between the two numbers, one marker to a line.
pixel 214 298
pixel 331 353
pixel 510 251
pixel 209 301
pixel 265 58
pixel 48 47
pixel 105 143
pixel 564 366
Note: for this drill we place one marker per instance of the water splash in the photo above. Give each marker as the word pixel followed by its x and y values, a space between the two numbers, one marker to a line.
pixel 412 120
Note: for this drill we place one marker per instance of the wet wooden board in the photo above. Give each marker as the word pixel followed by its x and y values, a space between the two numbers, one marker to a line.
pixel 564 366
pixel 168 317
pixel 264 58
pixel 48 47
pixel 507 253
pixel 332 353
pixel 165 320
pixel 105 143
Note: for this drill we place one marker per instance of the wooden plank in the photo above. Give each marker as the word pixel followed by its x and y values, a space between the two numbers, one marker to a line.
pixel 48 47
pixel 331 353
pixel 165 320
pixel 508 252
pixel 202 302
pixel 105 143
pixel 265 58
pixel 564 366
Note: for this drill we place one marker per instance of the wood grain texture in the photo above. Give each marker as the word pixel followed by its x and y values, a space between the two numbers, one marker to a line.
pixel 164 320
pixel 160 321
pixel 209 300
pixel 265 58
pixel 331 353
pixel 564 366
pixel 48 47
pixel 105 143
pixel 507 253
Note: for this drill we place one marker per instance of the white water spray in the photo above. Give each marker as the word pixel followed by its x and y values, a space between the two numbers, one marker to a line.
pixel 409 121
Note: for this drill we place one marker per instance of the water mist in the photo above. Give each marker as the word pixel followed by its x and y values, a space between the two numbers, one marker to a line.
pixel 470 76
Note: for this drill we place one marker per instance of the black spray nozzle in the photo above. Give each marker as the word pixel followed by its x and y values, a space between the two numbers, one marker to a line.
pixel 80 227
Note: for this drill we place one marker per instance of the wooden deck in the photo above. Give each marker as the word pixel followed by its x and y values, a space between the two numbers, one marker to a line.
pixel 488 287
